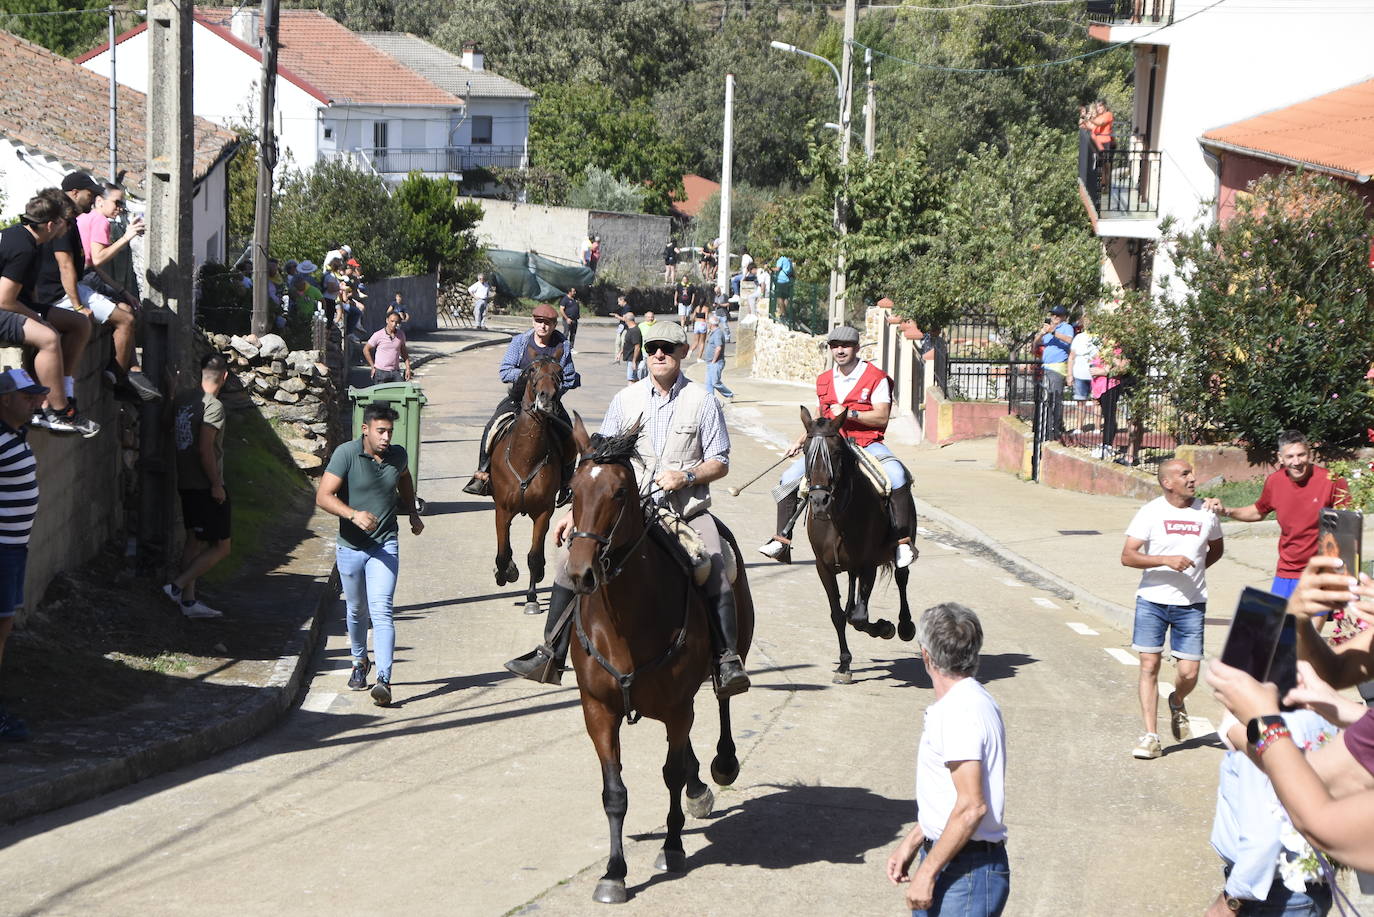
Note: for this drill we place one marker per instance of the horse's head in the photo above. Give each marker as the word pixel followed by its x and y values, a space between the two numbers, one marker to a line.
pixel 543 381
pixel 825 457
pixel 606 509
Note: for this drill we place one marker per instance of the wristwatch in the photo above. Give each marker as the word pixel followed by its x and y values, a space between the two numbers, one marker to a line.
pixel 691 477
pixel 853 414
pixel 1254 729
pixel 1232 904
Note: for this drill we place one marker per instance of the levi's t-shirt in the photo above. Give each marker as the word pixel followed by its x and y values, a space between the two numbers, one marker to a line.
pixel 1298 507
pixel 1168 529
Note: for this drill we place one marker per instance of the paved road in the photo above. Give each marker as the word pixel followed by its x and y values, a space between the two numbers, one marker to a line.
pixel 479 794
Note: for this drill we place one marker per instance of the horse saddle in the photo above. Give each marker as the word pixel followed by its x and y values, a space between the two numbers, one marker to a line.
pixel 684 542
pixel 499 429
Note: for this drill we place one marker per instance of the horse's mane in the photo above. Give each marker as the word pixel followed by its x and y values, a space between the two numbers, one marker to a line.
pixel 618 449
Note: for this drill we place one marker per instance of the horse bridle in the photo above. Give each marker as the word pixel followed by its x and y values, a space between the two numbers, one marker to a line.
pixel 603 551
pixel 536 412
pixel 814 445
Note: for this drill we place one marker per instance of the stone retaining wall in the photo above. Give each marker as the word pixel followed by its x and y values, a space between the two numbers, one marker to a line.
pixel 782 354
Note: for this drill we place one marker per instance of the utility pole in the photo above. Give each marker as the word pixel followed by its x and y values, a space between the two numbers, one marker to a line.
pixel 727 157
pixel 267 161
pixel 114 100
pixel 837 287
pixel 870 108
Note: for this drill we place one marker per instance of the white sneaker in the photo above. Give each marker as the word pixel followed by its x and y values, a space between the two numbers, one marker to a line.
pixel 905 555
pixel 1148 748
pixel 772 549
pixel 172 592
pixel 201 610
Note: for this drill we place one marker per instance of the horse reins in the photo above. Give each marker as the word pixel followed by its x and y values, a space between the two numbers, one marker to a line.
pixel 526 480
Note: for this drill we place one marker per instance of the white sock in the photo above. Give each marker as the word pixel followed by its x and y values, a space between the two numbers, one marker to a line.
pixel 69 386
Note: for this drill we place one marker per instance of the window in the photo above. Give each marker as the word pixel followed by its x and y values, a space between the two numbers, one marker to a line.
pixel 328 133
pixel 481 129
pixel 379 135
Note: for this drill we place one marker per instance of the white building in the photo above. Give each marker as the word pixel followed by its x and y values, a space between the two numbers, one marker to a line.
pixel 337 96
pixel 496 130
pixel 54 119
pixel 1201 64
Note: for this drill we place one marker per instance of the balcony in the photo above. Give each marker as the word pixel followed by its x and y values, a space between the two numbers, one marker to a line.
pixel 453 160
pixel 1128 20
pixel 1120 187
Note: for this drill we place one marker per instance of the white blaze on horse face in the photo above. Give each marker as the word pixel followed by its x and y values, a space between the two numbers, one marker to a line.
pixel 596 470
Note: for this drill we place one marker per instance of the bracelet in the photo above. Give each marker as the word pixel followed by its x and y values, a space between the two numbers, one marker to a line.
pixel 1271 735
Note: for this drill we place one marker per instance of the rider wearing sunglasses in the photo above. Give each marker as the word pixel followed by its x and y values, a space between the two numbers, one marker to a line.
pixel 863 393
pixel 684 447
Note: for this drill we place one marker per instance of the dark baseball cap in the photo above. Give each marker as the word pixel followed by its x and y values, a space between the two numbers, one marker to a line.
pixel 81 181
pixel 16 380
pixel 1059 310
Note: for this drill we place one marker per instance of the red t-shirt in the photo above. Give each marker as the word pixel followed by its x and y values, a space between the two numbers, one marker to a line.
pixel 1299 507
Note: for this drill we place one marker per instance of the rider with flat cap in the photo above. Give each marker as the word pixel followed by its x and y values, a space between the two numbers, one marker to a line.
pixel 863 394
pixel 684 446
pixel 542 340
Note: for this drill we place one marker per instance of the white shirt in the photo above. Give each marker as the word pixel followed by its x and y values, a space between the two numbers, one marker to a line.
pixel 1166 529
pixel 844 384
pixel 1081 353
pixel 480 291
pixel 964 725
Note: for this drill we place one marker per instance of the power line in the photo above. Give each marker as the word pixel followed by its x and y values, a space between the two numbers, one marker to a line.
pixel 95 9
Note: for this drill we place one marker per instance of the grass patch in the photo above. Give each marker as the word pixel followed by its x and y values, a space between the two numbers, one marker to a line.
pixel 262 482
pixel 1234 493
pixel 162 663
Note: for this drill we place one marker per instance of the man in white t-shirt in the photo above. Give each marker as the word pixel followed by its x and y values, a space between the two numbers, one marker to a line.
pixel 959 836
pixel 481 298
pixel 1174 540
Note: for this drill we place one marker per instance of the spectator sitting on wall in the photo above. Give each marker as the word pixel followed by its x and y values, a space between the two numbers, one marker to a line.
pixel 20 398
pixel 348 313
pixel 329 283
pixel 397 307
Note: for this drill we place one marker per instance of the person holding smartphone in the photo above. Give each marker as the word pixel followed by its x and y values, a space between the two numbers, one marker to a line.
pixel 1173 539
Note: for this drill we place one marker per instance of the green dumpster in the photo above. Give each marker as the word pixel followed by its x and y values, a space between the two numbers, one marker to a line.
pixel 406 399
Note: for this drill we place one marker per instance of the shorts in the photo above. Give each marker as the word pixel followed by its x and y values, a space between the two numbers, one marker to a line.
pixel 101 305
pixel 682 311
pixel 1183 622
pixel 12 327
pixel 699 328
pixel 1082 389
pixel 204 518
pixel 1283 586
pixel 632 371
pixel 14 558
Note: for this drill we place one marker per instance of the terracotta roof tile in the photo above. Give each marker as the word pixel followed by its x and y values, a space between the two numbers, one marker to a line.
pixel 342 65
pixel 1334 132
pixel 57 106
pixel 698 191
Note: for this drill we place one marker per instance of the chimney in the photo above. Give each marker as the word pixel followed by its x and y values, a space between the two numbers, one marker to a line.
pixel 245 25
pixel 472 56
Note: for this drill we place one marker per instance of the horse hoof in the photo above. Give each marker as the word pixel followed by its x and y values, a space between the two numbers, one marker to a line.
pixel 700 806
pixel 532 608
pixel 907 630
pixel 843 678
pixel 884 629
pixel 724 771
pixel 671 861
pixel 610 891
pixel 512 572
pixel 500 577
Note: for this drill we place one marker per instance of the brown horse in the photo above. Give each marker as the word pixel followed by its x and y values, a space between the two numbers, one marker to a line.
pixel 850 532
pixel 527 469
pixel 643 646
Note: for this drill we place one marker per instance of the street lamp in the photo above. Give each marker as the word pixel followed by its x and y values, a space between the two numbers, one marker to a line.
pixel 837 277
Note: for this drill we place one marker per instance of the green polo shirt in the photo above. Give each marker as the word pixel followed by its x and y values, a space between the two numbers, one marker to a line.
pixel 368 485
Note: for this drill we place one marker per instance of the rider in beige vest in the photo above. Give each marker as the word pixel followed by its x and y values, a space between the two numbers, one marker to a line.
pixel 683 446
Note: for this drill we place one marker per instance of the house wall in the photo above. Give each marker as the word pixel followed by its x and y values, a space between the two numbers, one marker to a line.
pixel 1239 170
pixel 408 127
pixel 556 232
pixel 510 121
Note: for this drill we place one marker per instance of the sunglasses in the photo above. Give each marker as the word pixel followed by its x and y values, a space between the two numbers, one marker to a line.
pixel 654 347
pixel 543 320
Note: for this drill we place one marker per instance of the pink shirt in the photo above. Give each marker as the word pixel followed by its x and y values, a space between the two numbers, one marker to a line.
pixel 93 228
pixel 386 350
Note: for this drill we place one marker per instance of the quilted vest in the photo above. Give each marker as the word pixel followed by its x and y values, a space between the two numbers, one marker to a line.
pixel 681 448
pixel 857 400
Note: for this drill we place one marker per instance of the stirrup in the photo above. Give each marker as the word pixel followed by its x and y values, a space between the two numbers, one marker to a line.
pixel 731 683
pixel 538 665
pixel 478 487
pixel 782 553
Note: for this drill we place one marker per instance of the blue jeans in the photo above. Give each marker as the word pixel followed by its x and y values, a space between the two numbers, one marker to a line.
pixel 1183 622
pixel 369 581
pixel 713 383
pixel 1315 902
pixel 975 883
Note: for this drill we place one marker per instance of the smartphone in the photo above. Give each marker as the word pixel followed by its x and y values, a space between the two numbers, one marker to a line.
pixel 1340 533
pixel 1254 633
pixel 1283 669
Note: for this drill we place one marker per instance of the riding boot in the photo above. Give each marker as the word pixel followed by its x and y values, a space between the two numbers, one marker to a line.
pixel 781 551
pixel 480 487
pixel 903 509
pixel 732 679
pixel 544 664
pixel 565 485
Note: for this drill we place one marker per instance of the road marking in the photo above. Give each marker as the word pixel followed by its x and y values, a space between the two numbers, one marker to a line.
pixel 1083 629
pixel 318 701
pixel 1012 582
pixel 1122 656
pixel 1043 602
pixel 1201 726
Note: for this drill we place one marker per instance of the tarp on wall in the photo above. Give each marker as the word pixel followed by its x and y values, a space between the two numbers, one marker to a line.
pixel 534 276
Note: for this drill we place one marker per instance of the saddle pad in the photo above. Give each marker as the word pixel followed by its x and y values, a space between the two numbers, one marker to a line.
pixel 872 469
pixel 499 429
pixel 687 538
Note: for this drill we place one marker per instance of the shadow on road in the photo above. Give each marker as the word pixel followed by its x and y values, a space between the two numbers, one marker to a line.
pixel 909 671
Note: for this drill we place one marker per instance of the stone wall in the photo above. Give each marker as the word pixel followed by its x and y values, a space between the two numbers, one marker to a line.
pixel 784 355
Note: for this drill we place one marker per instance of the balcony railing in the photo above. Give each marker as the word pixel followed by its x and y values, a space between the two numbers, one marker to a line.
pixel 1131 12
pixel 1121 183
pixel 455 159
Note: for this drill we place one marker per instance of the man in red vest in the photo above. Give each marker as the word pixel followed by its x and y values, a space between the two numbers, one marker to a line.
pixel 862 392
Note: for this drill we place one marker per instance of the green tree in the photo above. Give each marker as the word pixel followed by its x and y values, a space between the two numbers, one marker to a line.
pixel 61 30
pixel 746 204
pixel 600 190
pixel 577 125
pixel 333 203
pixel 438 232
pixel 1275 310
pixel 243 190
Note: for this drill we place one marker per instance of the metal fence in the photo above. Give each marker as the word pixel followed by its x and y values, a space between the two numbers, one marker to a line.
pixel 807 310
pixel 1127 12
